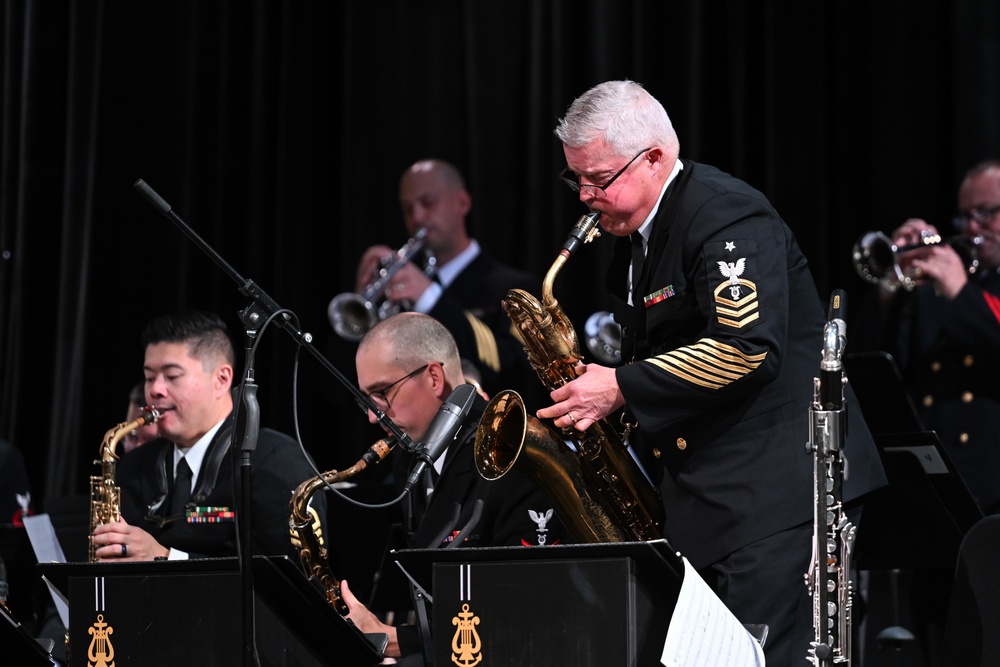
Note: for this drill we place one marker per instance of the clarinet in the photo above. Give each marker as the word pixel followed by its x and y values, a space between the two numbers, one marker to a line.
pixel 828 578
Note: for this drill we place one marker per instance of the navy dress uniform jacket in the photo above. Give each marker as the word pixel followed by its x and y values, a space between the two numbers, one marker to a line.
pixel 726 339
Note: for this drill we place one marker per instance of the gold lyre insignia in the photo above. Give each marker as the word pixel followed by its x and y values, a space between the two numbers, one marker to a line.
pixel 465 645
pixel 101 653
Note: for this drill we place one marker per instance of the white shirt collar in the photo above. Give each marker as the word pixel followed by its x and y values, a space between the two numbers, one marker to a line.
pixel 195 454
pixel 447 273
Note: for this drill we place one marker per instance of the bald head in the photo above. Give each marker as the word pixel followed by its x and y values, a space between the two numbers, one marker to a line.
pixel 409 340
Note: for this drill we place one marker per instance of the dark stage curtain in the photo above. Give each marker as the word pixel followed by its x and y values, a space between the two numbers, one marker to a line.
pixel 279 129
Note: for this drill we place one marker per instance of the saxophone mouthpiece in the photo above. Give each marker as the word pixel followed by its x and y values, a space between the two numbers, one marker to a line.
pixel 584 231
pixel 149 415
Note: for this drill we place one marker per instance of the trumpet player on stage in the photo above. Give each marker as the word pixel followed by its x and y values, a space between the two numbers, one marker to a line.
pixel 945 336
pixel 722 331
pixel 466 284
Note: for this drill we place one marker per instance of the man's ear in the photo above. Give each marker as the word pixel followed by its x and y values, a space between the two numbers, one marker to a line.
pixel 439 384
pixel 224 377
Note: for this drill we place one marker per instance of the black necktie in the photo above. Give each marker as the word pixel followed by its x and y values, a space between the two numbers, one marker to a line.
pixel 182 488
pixel 638 256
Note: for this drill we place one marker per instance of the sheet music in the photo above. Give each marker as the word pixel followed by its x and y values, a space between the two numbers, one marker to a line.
pixel 47 549
pixel 704 632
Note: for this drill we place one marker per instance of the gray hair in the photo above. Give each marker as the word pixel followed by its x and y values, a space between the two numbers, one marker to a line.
pixel 413 339
pixel 623 114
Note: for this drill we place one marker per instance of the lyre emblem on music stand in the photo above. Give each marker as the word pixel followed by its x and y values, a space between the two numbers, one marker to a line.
pixel 100 653
pixel 465 645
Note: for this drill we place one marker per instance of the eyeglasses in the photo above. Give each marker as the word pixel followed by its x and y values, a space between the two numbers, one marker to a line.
pixel 572 179
pixel 983 216
pixel 380 397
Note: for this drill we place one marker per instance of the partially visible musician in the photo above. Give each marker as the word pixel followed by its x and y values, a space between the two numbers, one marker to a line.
pixel 179 492
pixel 408 364
pixel 469 282
pixel 945 336
pixel 722 336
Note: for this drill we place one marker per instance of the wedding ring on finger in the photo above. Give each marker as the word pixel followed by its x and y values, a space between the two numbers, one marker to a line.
pixel 571 417
pixel 124 551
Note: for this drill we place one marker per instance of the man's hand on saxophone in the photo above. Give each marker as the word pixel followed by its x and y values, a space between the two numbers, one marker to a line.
pixel 119 541
pixel 592 396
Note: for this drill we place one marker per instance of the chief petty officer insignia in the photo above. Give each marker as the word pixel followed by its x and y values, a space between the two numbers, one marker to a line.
pixel 736 304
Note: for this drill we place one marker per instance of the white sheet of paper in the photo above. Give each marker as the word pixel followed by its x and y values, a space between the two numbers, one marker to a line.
pixel 704 632
pixel 47 549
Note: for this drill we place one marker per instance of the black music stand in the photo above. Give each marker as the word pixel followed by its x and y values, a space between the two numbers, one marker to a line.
pixel 881 393
pixel 920 518
pixel 588 604
pixel 189 612
pixel 926 500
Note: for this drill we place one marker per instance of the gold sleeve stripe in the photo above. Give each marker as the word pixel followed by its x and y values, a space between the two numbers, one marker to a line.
pixel 486 344
pixel 708 363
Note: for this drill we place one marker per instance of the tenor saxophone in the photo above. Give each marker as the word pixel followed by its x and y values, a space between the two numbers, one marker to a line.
pixel 105 494
pixel 304 523
pixel 599 491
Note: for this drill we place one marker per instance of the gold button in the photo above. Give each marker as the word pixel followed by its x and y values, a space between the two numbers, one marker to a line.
pixel 968 360
pixel 656 453
pixel 967 397
pixel 964 438
pixel 928 401
pixel 936 366
pixel 682 444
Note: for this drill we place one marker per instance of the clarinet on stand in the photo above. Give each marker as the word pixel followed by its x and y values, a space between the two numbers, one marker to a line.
pixel 829 575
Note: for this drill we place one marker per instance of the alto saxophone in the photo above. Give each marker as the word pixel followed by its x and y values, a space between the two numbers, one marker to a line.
pixel 597 487
pixel 105 494
pixel 829 575
pixel 304 523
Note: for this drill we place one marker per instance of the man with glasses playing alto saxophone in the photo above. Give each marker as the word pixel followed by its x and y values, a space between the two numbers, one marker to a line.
pixel 408 364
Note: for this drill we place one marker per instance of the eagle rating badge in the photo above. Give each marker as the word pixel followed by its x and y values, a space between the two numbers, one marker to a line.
pixel 736 304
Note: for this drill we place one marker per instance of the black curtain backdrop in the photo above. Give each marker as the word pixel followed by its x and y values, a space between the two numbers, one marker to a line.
pixel 278 131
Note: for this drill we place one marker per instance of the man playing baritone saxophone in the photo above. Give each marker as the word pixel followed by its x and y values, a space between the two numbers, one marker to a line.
pixel 178 492
pixel 723 334
pixel 408 364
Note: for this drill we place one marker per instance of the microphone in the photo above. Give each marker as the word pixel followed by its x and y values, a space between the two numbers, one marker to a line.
pixel 443 429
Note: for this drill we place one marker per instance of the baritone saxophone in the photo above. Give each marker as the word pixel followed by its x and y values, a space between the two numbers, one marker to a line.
pixel 599 491
pixel 105 494
pixel 304 524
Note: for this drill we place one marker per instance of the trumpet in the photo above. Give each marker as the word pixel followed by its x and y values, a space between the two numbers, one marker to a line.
pixel 876 257
pixel 352 315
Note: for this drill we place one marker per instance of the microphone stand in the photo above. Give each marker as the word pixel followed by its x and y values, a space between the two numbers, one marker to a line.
pixel 253 317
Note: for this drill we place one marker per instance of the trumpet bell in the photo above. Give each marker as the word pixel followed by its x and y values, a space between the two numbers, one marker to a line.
pixel 351 315
pixel 875 260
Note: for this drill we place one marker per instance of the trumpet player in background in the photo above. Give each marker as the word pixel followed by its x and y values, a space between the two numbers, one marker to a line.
pixel 408 364
pixel 722 332
pixel 945 336
pixel 468 283
pixel 178 492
